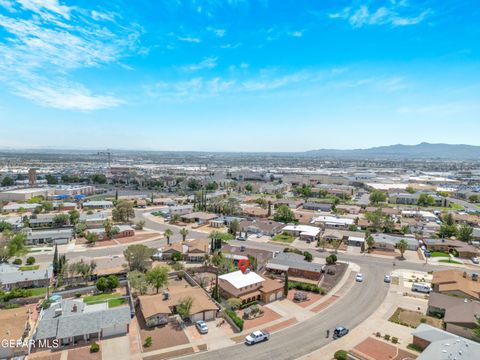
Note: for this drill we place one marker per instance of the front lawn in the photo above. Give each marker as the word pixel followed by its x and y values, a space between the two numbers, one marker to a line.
pixel 285 238
pixel 29 267
pixel 450 261
pixel 113 300
pixel 414 318
pixel 439 254
pixel 37 291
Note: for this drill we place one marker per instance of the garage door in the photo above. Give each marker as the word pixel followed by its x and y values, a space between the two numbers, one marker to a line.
pixel 209 315
pixel 279 295
pixel 196 317
pixel 114 330
pixel 272 297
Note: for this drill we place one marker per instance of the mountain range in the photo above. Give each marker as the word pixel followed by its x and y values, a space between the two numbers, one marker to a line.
pixel 420 151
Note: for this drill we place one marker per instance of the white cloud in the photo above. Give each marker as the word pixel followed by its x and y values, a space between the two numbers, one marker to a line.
pixel 51 40
pixel 296 33
pixel 189 39
pixel 8 4
pixel 206 63
pixel 393 14
pixel 218 32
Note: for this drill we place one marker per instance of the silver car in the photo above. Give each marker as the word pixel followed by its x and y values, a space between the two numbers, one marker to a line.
pixel 201 326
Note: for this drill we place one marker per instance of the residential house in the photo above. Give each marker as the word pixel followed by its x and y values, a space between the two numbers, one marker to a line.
pixel 249 286
pixel 192 250
pixel 16 207
pixel 472 220
pixel 254 211
pixel 49 236
pixel 73 321
pixel 463 249
pixel 94 220
pixel 263 227
pixel 11 276
pixel 438 344
pixel 304 232
pixel 412 199
pixel 333 222
pixel 198 217
pixel 123 232
pixel 158 309
pixel 295 265
pixel 390 242
pixel 317 206
pixel 352 238
pixel 348 209
pixel 459 315
pixel 304 217
pixel 98 204
pixel 261 256
pixel 457 283
pixel 291 203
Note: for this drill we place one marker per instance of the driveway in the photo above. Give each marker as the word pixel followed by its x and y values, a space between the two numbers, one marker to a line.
pixel 116 348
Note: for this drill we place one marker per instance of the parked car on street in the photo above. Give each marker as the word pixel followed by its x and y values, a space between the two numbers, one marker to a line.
pixel 201 326
pixel 475 260
pixel 387 278
pixel 422 288
pixel 240 238
pixel 359 277
pixel 256 337
pixel 339 332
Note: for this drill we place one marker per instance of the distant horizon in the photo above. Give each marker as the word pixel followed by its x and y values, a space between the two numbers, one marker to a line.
pixel 47 149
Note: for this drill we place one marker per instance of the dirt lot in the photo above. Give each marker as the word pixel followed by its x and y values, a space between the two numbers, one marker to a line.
pixel 312 297
pixel 380 350
pixel 414 318
pixel 328 281
pixel 268 315
pixel 162 336
pixel 83 353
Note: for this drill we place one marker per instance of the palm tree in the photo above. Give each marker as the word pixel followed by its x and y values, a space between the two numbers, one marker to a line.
pixel 184 233
pixel 168 233
pixel 402 246
pixel 370 242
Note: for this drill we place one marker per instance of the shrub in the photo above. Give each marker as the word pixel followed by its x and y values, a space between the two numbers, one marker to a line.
pixel 94 348
pixel 148 342
pixel 423 320
pixel 237 320
pixel 340 355
pixel 17 261
pixel 394 340
pixel 305 287
pixel 414 347
pixel 331 259
pixel 30 260
pixel 377 334
pixel 246 305
pixel 12 306
pixel 386 337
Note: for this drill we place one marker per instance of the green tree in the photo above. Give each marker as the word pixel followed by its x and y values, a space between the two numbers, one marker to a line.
pixel 285 285
pixel 249 187
pixel 61 220
pixel 340 355
pixel 168 234
pixel 138 281
pixel 473 198
pixel 308 256
pixel 234 227
pixel 123 211
pixel 8 181
pixel 30 260
pixel 177 256
pixel 112 282
pixel 476 331
pixel 91 238
pixel 184 233
pixel 184 307
pixel 102 284
pixel 426 200
pixel 402 247
pixel 51 179
pixel 74 216
pixel 55 261
pixel 138 256
pixel 370 242
pixel 16 243
pixel 410 190
pixel 234 303
pixel 157 277
pixel 98 179
pixel 377 196
pixel 284 214
pixel 375 218
pixel 464 232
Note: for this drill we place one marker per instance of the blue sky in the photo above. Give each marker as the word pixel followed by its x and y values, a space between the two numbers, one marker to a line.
pixel 238 75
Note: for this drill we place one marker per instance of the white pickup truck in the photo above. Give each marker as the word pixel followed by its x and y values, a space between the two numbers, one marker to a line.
pixel 256 337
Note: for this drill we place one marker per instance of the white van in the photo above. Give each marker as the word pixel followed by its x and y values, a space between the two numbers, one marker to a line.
pixel 423 288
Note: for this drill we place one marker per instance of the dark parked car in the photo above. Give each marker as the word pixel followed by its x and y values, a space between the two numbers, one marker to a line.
pixel 339 332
